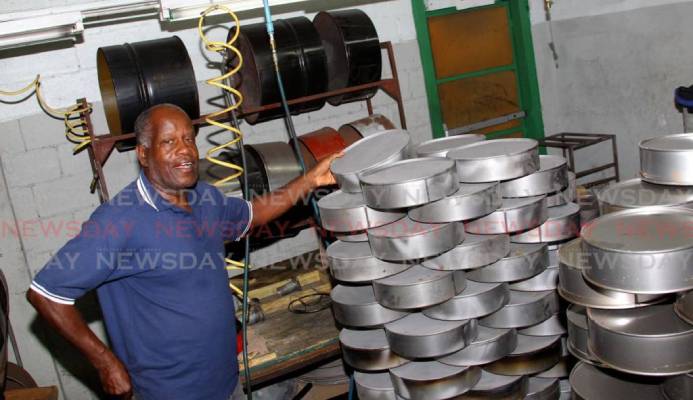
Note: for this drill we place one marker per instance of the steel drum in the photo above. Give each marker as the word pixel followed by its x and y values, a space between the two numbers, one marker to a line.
pixel 514 215
pixel 684 307
pixel 277 162
pixel 646 250
pixel 409 183
pixel 417 336
pixel 418 287
pixel 496 160
pixel 490 345
pixel 470 201
pixel 431 380
pixel 441 146
pixel 667 160
pixel 551 327
pixel 635 193
pixel 546 280
pixel 409 240
pixel 368 350
pixel 543 389
pixel 532 355
pixel 644 341
pixel 566 195
pixel 474 252
pixel 369 153
pixel 523 262
pixel 355 306
pixel 374 386
pixel 359 237
pixel 560 370
pixel 475 301
pixel 497 387
pixel 551 177
pixel 320 144
pixel 679 387
pixel 353 262
pixel 367 126
pixel 524 309
pixel 348 212
pixel 578 338
pixel 563 223
pixel 592 383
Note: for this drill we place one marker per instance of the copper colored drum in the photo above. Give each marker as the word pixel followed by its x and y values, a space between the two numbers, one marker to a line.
pixel 323 142
pixel 366 126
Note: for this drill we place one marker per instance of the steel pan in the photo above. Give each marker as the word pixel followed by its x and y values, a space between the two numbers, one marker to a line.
pixel 644 341
pixel 497 387
pixel 374 386
pixel 578 338
pixel 646 250
pixel 359 237
pixel 574 288
pixel 475 251
pixel 323 142
pixel 354 262
pixel 514 215
pixel 523 309
pixel 431 380
pixel 551 177
pixel 409 183
pixel 564 196
pixel 560 370
pixel 635 193
pixel 546 280
pixel 592 383
pixel 523 262
pixel 368 350
pixel 355 306
pixel 409 240
pixel 550 327
pixel 563 223
pixel 418 287
pixel 369 153
pixel 470 201
pixel 475 301
pixel 441 146
pixel 490 345
pixel 679 387
pixel 417 336
pixel 533 354
pixel 684 307
pixel 348 212
pixel 543 389
pixel 278 162
pixel 667 160
pixel 496 160
pixel 367 126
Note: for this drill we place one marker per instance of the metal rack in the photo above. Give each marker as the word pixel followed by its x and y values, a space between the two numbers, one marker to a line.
pixel 101 146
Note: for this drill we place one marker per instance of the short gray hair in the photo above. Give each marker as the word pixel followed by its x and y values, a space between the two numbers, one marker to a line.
pixel 144 126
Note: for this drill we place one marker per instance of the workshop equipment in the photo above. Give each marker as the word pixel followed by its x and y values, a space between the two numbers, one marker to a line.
pixel 667 160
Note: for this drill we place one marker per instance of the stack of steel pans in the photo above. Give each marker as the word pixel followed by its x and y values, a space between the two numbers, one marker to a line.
pixel 435 300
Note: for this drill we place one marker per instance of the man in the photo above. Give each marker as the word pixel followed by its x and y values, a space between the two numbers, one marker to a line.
pixel 155 255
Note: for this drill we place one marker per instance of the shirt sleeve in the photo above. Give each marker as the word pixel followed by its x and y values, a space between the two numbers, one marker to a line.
pixel 85 262
pixel 237 215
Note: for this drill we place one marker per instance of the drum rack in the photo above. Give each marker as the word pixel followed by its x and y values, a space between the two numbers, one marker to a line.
pixel 101 146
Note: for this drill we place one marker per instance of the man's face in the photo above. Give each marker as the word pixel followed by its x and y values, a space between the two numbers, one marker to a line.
pixel 171 159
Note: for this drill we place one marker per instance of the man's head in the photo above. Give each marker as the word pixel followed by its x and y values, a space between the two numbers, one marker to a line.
pixel 166 147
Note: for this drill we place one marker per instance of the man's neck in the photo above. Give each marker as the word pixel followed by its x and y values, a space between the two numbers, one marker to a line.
pixel 176 197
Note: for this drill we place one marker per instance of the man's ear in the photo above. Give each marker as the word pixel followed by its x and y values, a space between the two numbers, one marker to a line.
pixel 142 155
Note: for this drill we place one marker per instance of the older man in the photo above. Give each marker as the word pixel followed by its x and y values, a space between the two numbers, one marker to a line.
pixel 155 255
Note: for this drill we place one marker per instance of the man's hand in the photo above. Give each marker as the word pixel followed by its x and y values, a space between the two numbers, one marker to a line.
pixel 320 174
pixel 114 377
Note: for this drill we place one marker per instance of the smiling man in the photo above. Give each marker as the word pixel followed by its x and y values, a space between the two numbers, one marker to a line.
pixel 160 277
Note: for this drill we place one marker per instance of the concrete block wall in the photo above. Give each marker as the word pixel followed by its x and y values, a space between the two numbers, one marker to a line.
pixel 44 193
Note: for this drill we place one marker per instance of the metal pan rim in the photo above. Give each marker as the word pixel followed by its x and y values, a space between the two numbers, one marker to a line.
pixel 535 145
pixel 643 143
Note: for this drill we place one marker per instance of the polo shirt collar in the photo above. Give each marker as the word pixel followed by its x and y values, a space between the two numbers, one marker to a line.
pixel 153 198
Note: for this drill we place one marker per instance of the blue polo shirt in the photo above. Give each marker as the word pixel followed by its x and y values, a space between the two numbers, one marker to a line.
pixel 162 284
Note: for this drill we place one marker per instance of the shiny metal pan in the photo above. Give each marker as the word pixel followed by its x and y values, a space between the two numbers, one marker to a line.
pixel 354 262
pixel 563 223
pixel 418 287
pixel 679 387
pixel 524 309
pixel 441 146
pixel 496 160
pixel 356 237
pixel 376 386
pixel 578 338
pixel 410 240
pixel 417 336
pixel 551 327
pixel 471 200
pixel 532 355
pixel 636 193
pixel 431 380
pixel 546 280
pixel 643 341
pixel 573 287
pixel 523 262
pixel 564 196
pixel 366 126
pixel 474 252
pixel 368 153
pixel 514 215
pixel 475 301
pixel 560 370
pixel 497 387
pixel 592 383
pixel 551 177
pixel 684 307
pixel 646 250
pixel 667 160
pixel 368 350
pixel 490 345
pixel 543 389
pixel 348 212
pixel 355 306
pixel 409 183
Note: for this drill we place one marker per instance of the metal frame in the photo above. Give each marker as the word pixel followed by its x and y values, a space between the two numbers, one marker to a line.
pixel 102 146
pixel 569 142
